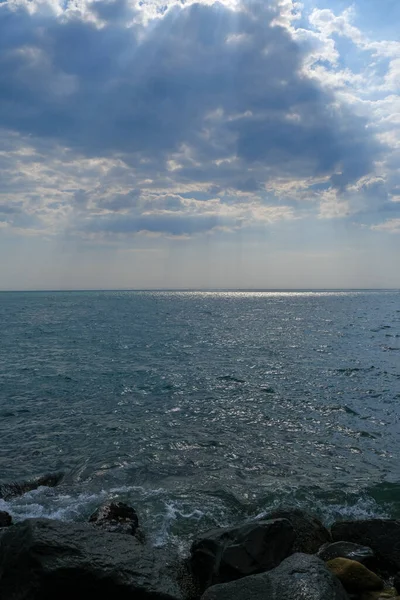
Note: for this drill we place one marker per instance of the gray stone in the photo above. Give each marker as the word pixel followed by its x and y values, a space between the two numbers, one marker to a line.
pixel 310 533
pixel 299 577
pixel 42 560
pixel 362 554
pixel 382 535
pixel 226 554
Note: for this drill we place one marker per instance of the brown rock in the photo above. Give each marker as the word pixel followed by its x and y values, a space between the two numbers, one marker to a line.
pixel 381 595
pixel 354 576
pixel 389 593
pixel 382 535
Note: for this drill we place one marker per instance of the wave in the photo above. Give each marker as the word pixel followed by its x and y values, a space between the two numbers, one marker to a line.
pixel 170 520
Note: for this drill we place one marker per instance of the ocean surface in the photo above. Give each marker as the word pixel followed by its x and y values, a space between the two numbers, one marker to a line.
pixel 201 408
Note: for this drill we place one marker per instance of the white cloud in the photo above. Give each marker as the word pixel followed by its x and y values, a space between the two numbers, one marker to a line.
pixel 390 226
pixel 183 120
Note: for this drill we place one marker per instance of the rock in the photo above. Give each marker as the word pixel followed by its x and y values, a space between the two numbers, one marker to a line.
pixel 389 593
pixel 43 559
pixel 361 554
pixel 10 490
pixel 299 577
pixel 369 595
pixel 310 532
pixel 396 582
pixel 225 554
pixel 116 517
pixel 5 519
pixel 354 576
pixel 382 535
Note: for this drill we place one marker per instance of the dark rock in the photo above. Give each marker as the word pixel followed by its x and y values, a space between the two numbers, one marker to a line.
pixel 226 554
pixel 382 535
pixel 396 582
pixel 116 517
pixel 5 519
pixel 300 577
pixel 362 554
pixel 10 490
pixel 42 560
pixel 310 532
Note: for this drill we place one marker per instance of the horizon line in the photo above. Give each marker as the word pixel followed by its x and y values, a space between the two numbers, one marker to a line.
pixel 208 289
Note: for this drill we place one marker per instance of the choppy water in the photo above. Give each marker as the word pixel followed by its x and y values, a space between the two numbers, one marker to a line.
pixel 200 407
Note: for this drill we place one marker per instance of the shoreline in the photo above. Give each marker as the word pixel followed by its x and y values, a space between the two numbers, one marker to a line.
pixel 112 549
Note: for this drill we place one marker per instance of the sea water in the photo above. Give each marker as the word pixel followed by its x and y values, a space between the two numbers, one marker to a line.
pixel 201 408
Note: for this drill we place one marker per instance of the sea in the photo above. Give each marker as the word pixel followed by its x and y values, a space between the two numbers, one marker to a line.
pixel 201 408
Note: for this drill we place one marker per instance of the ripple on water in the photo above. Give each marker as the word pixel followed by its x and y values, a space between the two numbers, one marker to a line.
pixel 185 392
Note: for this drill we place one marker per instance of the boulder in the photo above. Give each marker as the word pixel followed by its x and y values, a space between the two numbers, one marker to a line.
pixel 354 576
pixel 369 595
pixel 361 554
pixel 42 560
pixel 310 532
pixel 396 582
pixel 116 517
pixel 382 535
pixel 225 554
pixel 5 519
pixel 387 594
pixel 299 577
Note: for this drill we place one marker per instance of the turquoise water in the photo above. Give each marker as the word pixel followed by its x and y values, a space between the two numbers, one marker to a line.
pixel 202 408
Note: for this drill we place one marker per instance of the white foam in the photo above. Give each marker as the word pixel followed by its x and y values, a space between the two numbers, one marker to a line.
pixel 164 536
pixel 174 522
pixel 362 507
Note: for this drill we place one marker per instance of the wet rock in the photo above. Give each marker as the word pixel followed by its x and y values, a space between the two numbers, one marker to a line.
pixel 116 517
pixel 368 595
pixel 362 554
pixel 43 559
pixel 225 554
pixel 396 582
pixel 382 535
pixel 388 594
pixel 13 489
pixel 309 531
pixel 5 519
pixel 299 577
pixel 354 576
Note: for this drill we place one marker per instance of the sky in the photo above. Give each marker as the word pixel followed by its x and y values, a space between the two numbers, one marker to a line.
pixel 179 144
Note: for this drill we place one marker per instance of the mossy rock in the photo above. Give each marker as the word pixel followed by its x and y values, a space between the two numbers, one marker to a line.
pixel 390 593
pixel 354 576
pixel 369 596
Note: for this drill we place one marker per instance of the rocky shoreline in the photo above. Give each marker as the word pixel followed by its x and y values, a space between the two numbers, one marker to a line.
pixel 288 555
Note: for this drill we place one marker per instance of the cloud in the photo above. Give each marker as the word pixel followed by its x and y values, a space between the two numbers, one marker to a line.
pixel 391 226
pixel 113 112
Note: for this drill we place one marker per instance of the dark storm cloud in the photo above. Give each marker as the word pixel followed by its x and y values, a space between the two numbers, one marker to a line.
pixel 219 82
